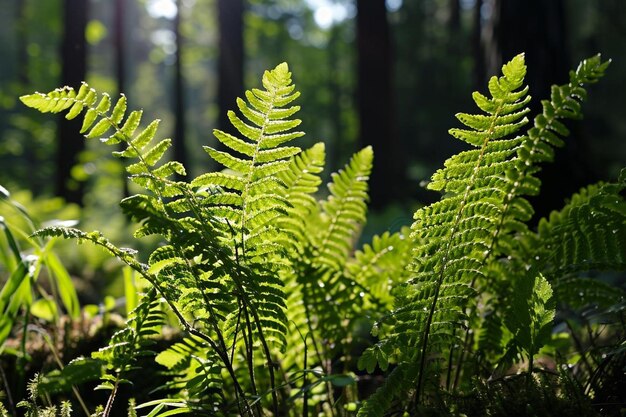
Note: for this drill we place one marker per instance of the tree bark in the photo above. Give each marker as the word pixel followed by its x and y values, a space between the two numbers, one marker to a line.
pixel 230 64
pixel 74 70
pixel 180 151
pixel 375 103
pixel 538 28
pixel 120 66
pixel 22 42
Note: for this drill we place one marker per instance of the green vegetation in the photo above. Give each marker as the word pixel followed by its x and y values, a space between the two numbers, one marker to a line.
pixel 257 301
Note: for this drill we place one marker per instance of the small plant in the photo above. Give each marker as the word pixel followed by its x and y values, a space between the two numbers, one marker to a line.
pixel 265 281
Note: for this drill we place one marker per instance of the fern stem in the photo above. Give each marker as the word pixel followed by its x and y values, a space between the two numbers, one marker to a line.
pixel 57 359
pixel 445 258
pixel 249 345
pixel 109 404
pixel 5 385
pixel 320 358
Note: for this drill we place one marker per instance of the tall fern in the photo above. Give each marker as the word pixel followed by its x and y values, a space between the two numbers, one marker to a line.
pixel 461 239
pixel 220 230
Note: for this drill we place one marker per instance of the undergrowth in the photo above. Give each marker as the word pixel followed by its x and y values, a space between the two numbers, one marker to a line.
pixel 470 311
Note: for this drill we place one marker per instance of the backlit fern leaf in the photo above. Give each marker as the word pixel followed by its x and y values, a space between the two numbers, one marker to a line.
pixel 195 373
pixel 454 235
pixel 102 117
pixel 381 265
pixel 252 192
pixel 513 250
pixel 344 211
pixel 301 181
pixel 128 344
pixel 531 315
pixel 588 234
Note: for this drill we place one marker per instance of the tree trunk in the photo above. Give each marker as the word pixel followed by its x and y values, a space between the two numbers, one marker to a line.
pixel 74 69
pixel 375 103
pixel 180 152
pixel 230 64
pixel 120 66
pixel 22 42
pixel 454 22
pixel 480 76
pixel 537 28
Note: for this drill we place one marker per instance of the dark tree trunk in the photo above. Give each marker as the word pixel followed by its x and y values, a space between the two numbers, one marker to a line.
pixel 454 21
pixel 480 76
pixel 180 152
pixel 74 69
pixel 538 29
pixel 120 64
pixel 120 47
pixel 375 103
pixel 230 64
pixel 22 43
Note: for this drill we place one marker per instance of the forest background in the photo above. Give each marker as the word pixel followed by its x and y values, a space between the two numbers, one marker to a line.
pixel 390 74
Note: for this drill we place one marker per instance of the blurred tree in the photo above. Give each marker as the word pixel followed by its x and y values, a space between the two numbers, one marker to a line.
pixel 74 70
pixel 538 28
pixel 120 63
pixel 230 61
pixel 454 21
pixel 375 103
pixel 180 152
pixel 478 53
pixel 22 42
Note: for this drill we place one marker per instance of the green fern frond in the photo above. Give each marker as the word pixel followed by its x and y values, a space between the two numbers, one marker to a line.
pixel 531 315
pixel 458 230
pixel 132 341
pixel 454 236
pixel 381 265
pixel 301 181
pixel 588 233
pixel 397 384
pixel 99 119
pixel 344 211
pixel 264 127
pixel 195 372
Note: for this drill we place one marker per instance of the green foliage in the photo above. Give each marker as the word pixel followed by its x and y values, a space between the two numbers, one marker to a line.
pixel 270 291
pixel 24 259
pixel 468 245
pixel 531 315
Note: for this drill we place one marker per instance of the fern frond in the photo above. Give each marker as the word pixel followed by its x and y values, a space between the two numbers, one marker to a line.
pixel 99 119
pixel 195 372
pixel 589 233
pixel 301 181
pixel 264 127
pixel 397 384
pixel 531 315
pixel 132 341
pixel 454 235
pixel 344 211
pixel 381 265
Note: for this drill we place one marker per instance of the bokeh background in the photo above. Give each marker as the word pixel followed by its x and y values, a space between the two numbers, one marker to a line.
pixel 391 74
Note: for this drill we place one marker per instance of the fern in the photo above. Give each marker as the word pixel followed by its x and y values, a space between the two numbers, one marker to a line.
pixel 229 219
pixel 460 239
pixel 195 372
pixel 588 234
pixel 531 316
pixel 457 231
pixel 344 210
pixel 267 283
